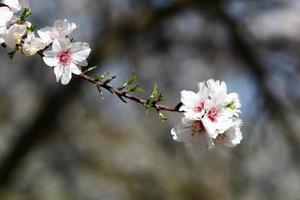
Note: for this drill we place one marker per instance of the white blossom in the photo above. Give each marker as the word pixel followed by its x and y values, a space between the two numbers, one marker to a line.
pixel 193 134
pixel 5 16
pixel 60 29
pixel 16 5
pixel 212 109
pixel 14 34
pixel 32 45
pixel 66 58
pixel 230 137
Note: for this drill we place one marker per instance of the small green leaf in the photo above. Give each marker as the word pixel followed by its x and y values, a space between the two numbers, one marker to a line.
pixel 72 40
pixel 26 13
pixel 160 97
pixel 230 105
pixel 101 76
pixel 154 97
pixel 136 89
pixel 132 78
pixel 154 93
pixel 162 117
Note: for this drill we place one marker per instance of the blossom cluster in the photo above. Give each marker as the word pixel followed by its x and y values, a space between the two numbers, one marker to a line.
pixel 211 116
pixel 53 43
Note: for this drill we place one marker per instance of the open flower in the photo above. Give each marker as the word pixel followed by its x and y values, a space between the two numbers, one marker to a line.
pixel 13 36
pixel 60 29
pixel 66 58
pixel 193 134
pixel 193 103
pixel 211 110
pixel 32 45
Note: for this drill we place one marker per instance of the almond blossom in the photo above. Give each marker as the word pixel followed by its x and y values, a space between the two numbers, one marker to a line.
pixel 32 45
pixel 60 29
pixel 193 134
pixel 66 58
pixel 212 110
pixel 5 16
pixel 13 36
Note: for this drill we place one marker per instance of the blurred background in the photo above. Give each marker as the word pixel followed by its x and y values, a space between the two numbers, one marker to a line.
pixel 63 142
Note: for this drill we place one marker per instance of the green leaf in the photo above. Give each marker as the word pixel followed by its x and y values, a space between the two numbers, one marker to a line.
pixel 154 93
pixel 132 78
pixel 101 76
pixel 231 105
pixel 149 102
pixel 154 97
pixel 160 97
pixel 26 13
pixel 136 89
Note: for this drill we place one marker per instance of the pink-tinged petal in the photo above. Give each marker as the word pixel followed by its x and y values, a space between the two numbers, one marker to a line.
pixel 75 69
pixel 51 61
pixel 58 71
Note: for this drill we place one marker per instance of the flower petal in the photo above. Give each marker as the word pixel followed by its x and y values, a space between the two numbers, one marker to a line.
pixel 51 61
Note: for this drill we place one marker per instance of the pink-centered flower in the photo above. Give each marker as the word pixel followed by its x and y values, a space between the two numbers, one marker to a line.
pixel 193 134
pixel 211 110
pixel 67 58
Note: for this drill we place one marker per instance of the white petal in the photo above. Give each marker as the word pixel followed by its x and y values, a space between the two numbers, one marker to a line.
pixel 58 71
pixel 66 75
pixel 5 15
pixel 75 69
pixel 56 46
pixel 51 61
pixel 209 127
pixel 80 51
pixel 13 4
pixel 189 98
pixel 45 35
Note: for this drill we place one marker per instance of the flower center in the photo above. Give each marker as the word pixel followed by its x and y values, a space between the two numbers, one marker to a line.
pixel 213 114
pixel 199 107
pixel 64 57
pixel 197 126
